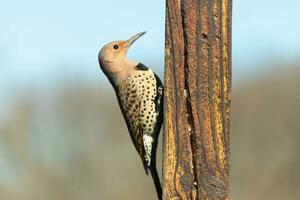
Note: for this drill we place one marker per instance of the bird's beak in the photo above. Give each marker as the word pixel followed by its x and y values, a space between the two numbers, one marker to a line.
pixel 131 40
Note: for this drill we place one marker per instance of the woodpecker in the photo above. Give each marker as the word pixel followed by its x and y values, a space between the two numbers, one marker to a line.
pixel 140 95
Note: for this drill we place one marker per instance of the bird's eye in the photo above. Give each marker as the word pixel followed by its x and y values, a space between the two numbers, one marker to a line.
pixel 116 46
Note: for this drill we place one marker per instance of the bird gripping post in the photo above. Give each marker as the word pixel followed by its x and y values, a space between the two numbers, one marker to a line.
pixel 140 96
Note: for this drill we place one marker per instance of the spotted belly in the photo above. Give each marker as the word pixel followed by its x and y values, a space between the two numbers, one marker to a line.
pixel 137 99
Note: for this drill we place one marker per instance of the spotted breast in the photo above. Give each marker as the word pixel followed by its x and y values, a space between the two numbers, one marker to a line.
pixel 140 97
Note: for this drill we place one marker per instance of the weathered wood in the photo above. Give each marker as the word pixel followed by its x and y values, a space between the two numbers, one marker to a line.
pixel 197 99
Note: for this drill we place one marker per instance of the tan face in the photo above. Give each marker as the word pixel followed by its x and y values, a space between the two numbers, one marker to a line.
pixel 117 50
pixel 113 51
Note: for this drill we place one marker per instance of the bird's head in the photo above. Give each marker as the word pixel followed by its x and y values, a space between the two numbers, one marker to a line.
pixel 112 56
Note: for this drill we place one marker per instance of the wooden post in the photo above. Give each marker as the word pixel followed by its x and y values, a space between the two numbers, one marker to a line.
pixel 197 100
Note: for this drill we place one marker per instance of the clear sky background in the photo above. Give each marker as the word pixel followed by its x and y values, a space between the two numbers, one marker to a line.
pixel 42 42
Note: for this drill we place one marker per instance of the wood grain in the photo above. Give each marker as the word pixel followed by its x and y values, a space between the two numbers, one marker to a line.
pixel 197 99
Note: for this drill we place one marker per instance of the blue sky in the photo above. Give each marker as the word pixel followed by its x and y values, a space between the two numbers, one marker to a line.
pixel 45 41
pixel 264 32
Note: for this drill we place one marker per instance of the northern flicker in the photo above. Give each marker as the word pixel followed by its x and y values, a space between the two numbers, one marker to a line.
pixel 140 95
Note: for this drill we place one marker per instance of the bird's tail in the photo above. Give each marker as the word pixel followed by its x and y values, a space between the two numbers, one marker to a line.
pixel 156 181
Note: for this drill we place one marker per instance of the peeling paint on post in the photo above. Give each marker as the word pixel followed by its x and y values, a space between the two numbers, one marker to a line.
pixel 197 99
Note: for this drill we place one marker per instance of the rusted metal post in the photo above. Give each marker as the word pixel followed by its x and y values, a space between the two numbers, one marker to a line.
pixel 197 99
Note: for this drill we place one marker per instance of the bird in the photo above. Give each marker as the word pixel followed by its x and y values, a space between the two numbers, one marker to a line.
pixel 140 96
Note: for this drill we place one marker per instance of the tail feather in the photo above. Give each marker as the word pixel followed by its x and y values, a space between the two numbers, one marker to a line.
pixel 153 170
pixel 156 181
